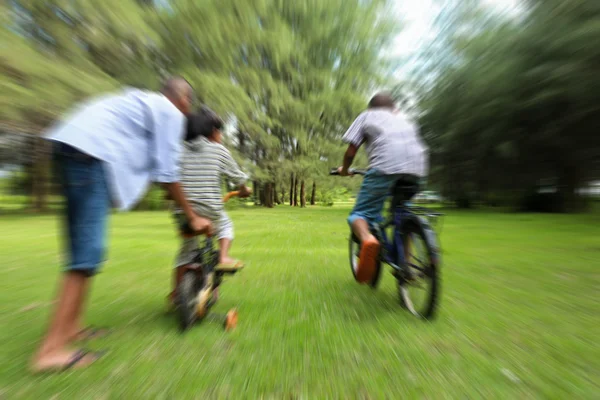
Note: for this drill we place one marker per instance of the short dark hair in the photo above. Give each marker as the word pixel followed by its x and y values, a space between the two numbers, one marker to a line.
pixel 202 123
pixel 172 85
pixel 382 100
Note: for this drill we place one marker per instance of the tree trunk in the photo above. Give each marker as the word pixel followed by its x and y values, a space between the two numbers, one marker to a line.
pixel 275 198
pixel 263 198
pixel 313 194
pixel 296 192
pixel 292 190
pixel 302 194
pixel 255 193
pixel 282 194
pixel 266 195
pixel 269 195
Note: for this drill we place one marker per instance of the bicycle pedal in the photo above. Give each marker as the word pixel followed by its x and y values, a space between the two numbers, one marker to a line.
pixel 229 272
pixel 397 275
pixel 403 275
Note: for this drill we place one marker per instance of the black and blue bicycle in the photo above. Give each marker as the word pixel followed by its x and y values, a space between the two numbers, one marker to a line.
pixel 409 245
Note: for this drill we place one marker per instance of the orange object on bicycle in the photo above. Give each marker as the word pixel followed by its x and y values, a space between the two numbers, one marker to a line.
pixel 229 195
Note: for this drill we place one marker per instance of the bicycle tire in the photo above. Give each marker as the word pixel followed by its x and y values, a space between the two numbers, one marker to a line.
pixel 415 229
pixel 187 300
pixel 353 252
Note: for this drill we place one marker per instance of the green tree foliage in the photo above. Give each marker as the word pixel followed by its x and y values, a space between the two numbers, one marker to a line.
pixel 288 75
pixel 515 104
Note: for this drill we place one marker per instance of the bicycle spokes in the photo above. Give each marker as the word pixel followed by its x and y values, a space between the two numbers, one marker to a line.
pixel 417 286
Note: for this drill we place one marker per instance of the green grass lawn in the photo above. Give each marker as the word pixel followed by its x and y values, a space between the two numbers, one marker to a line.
pixel 519 315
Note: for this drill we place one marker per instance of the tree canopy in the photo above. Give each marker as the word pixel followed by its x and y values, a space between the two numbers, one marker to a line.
pixel 511 108
pixel 288 75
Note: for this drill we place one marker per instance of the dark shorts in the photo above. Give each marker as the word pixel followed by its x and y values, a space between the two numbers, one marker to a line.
pixel 87 208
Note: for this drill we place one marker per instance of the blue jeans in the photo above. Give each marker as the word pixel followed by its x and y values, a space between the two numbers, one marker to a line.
pixel 88 205
pixel 373 192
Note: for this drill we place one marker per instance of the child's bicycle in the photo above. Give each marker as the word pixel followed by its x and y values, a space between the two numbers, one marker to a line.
pixel 410 230
pixel 200 273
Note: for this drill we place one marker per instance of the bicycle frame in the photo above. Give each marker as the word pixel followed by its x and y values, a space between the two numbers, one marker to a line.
pixel 393 253
pixel 401 212
pixel 206 256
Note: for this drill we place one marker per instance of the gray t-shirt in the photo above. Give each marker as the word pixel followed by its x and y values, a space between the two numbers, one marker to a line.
pixel 392 142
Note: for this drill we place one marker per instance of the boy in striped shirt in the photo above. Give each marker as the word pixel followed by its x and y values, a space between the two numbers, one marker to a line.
pixel 203 165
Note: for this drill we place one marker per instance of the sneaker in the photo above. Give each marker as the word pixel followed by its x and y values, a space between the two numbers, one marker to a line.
pixel 369 251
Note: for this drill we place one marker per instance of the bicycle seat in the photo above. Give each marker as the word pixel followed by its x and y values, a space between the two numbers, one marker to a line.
pixel 405 188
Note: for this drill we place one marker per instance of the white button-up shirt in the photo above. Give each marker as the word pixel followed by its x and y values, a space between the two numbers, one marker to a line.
pixel 136 133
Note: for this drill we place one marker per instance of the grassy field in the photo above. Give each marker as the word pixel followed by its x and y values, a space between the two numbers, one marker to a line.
pixel 519 313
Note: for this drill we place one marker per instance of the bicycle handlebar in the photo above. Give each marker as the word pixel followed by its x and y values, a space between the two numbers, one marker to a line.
pixel 352 171
pixel 229 195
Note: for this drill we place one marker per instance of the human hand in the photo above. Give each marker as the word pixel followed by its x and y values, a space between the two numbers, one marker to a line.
pixel 245 192
pixel 201 225
pixel 343 172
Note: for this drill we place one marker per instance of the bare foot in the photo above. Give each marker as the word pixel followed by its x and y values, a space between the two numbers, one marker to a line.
pixel 63 360
pixel 227 260
pixel 75 334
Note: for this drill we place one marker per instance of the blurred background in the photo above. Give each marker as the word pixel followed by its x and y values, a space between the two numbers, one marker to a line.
pixel 507 96
pixel 506 92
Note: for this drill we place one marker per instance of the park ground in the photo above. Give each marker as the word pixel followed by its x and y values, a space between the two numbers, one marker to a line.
pixel 518 316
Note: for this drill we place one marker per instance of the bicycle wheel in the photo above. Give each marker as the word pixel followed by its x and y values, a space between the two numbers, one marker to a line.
pixel 354 253
pixel 418 285
pixel 187 300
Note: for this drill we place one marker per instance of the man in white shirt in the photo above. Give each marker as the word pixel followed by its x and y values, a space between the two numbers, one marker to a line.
pixel 395 151
pixel 107 152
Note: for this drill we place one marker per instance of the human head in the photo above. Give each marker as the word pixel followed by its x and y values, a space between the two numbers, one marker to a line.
pixel 204 123
pixel 180 93
pixel 382 100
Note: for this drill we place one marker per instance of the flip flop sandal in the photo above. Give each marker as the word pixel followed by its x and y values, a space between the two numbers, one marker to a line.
pixel 80 355
pixel 91 332
pixel 234 266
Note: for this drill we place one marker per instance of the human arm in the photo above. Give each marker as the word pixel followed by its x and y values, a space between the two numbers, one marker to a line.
pixel 348 158
pixel 197 223
pixel 354 136
pixel 234 174
pixel 168 131
pixel 231 170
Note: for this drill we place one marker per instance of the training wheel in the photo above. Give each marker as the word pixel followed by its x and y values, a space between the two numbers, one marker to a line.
pixel 201 309
pixel 231 320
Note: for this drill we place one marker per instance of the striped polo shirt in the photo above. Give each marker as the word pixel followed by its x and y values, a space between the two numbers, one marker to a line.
pixel 203 166
pixel 392 142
